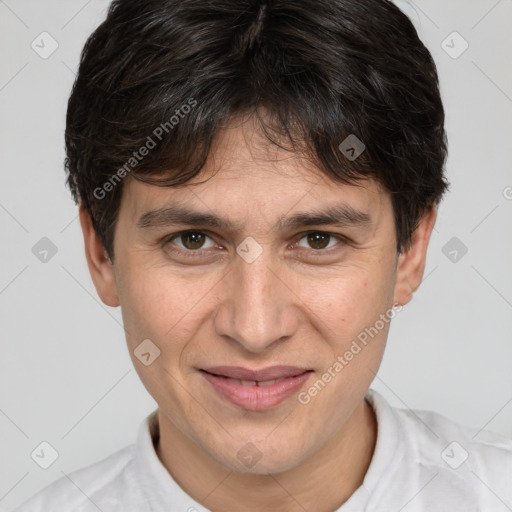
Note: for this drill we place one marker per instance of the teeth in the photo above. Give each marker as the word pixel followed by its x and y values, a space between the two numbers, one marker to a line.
pixel 254 382
pixel 267 382
pixel 243 382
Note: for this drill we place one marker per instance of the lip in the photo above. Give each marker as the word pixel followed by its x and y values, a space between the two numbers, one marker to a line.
pixel 269 373
pixel 226 380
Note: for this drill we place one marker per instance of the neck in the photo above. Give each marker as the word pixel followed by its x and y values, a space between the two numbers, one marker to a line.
pixel 323 482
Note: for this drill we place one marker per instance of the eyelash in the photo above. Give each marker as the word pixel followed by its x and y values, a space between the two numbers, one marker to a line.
pixel 190 253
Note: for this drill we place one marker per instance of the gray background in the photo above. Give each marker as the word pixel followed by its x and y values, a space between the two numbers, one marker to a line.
pixel 65 374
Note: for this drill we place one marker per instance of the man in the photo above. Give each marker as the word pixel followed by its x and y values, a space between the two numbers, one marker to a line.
pixel 257 184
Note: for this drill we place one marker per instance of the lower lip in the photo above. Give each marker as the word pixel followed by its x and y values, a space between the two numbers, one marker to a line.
pixel 256 398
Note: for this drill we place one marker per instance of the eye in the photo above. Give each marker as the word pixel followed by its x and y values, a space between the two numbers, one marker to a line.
pixel 319 240
pixel 191 241
pixel 194 243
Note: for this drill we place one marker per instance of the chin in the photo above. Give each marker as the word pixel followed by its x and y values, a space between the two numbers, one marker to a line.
pixel 255 459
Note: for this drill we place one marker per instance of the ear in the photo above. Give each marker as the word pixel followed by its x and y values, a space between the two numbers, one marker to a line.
pixel 100 266
pixel 411 262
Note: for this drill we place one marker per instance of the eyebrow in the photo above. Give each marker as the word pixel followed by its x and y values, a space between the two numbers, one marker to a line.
pixel 341 215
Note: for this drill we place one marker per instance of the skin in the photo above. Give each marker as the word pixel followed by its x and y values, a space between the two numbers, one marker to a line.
pixel 287 307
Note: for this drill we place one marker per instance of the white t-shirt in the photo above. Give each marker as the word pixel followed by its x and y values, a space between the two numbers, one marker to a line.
pixel 422 462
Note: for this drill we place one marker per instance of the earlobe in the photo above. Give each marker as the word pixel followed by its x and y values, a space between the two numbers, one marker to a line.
pixel 411 262
pixel 100 266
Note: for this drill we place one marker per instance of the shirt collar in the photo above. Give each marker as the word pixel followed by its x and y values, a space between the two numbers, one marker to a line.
pixel 387 454
pixel 162 491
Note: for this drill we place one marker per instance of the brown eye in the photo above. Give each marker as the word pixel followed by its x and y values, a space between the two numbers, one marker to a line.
pixel 192 239
pixel 317 240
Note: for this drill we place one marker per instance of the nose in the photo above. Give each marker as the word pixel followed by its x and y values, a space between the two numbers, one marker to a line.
pixel 258 307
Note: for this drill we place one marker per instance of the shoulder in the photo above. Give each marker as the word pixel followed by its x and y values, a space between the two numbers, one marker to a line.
pixel 461 465
pixel 86 489
pixel 484 451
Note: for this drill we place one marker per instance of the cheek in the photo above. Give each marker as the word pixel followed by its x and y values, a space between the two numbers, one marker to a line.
pixel 162 305
pixel 349 302
pixel 354 335
pixel 166 309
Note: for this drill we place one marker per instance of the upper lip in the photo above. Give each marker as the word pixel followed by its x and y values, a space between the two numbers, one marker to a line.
pixel 264 374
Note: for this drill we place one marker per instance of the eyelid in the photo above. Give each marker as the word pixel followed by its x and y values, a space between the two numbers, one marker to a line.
pixel 169 238
pixel 341 238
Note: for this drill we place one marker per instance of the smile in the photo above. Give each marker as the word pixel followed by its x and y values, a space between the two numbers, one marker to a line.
pixel 254 390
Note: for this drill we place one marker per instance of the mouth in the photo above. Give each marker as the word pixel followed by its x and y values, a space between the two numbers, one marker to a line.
pixel 256 390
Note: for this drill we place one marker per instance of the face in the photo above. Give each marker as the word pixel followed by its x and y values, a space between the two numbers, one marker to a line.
pixel 265 288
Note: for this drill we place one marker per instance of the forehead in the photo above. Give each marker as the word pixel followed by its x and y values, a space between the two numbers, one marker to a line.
pixel 248 175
